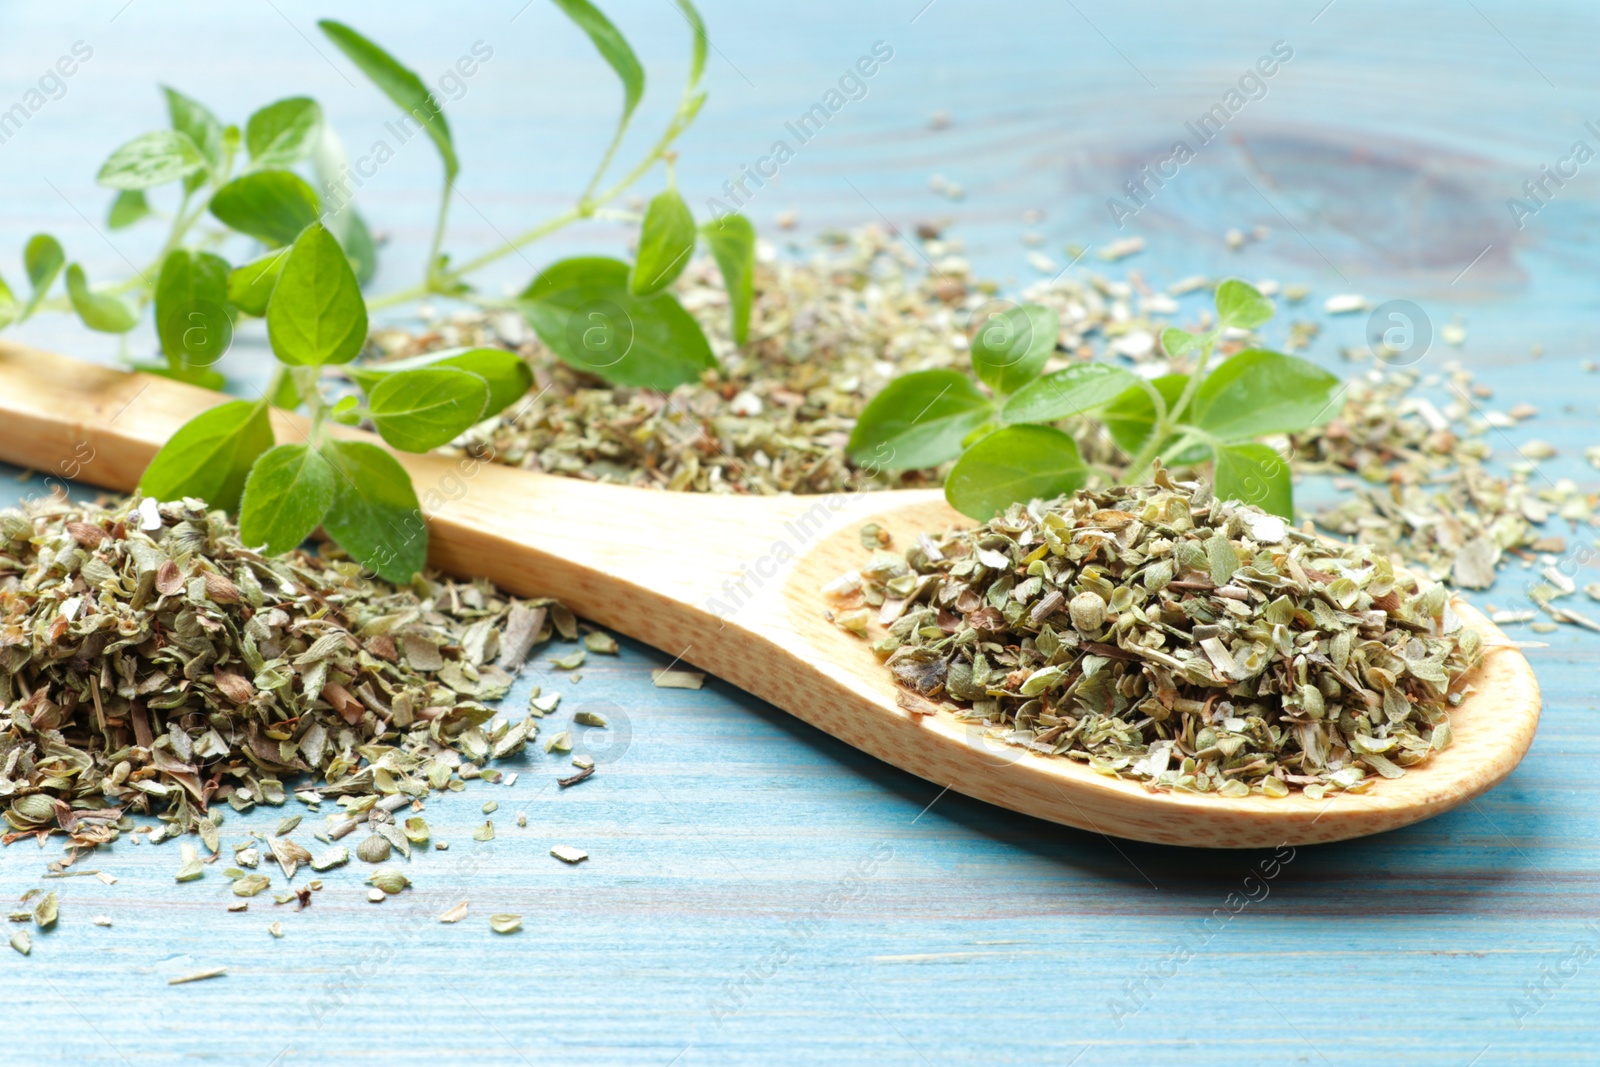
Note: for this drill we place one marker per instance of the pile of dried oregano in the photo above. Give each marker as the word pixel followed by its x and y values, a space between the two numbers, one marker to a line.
pixel 1160 634
pixel 154 670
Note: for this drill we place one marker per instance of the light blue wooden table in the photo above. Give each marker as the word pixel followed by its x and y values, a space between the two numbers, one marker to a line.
pixel 757 892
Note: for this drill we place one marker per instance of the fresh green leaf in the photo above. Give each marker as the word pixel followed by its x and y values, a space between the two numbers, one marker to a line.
pixel 290 489
pixel 1176 342
pixel 151 159
pixel 1130 417
pixel 270 205
pixel 356 240
pixel 613 48
pixel 375 516
pixel 1014 465
pixel 250 286
pixel 346 411
pixel 1010 348
pixel 416 410
pixel 332 169
pixel 1070 391
pixel 287 395
pixel 1241 305
pixel 582 310
pixel 42 258
pixel 666 241
pixel 195 120
pixel 283 132
pixel 99 311
pixel 399 85
pixel 204 377
pixel 127 208
pixel 1255 474
pixel 733 245
pixel 697 28
pixel 507 373
pixel 316 314
pixel 9 307
pixel 192 317
pixel 210 456
pixel 918 420
pixel 1258 392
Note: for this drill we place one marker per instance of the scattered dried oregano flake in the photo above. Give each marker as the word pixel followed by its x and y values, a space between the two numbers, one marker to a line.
pixel 568 854
pixel 601 642
pixel 388 879
pixel 1156 633
pixel 198 976
pixel 676 679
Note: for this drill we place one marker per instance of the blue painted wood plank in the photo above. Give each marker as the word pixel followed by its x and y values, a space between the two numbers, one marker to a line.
pixel 760 893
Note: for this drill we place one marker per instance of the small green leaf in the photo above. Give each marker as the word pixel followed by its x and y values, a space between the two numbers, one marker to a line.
pixel 289 490
pixel 1014 465
pixel 204 377
pixel 1130 417
pixel 316 314
pixel 918 420
pixel 613 48
pixel 666 241
pixel 346 411
pixel 42 258
pixel 283 132
pixel 127 208
pixel 1176 342
pixel 270 205
pixel 1241 305
pixel 192 317
pixel 733 245
pixel 1010 348
pixel 151 159
pixel 399 85
pixel 582 310
pixel 416 410
pixel 1255 474
pixel 287 395
pixel 250 286
pixel 9 307
pixel 99 311
pixel 332 168
pixel 1070 391
pixel 193 119
pixel 375 516
pixel 697 53
pixel 507 373
pixel 1258 392
pixel 210 456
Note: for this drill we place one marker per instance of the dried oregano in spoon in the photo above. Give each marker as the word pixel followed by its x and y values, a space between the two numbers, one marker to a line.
pixel 1160 634
pixel 150 664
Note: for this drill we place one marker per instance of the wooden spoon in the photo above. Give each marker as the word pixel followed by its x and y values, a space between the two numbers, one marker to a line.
pixel 731 585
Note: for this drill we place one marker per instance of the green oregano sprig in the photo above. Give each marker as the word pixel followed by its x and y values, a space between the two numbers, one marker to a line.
pixel 305 274
pixel 1007 441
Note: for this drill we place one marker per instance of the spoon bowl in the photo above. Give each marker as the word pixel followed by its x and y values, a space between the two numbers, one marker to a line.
pixel 731 584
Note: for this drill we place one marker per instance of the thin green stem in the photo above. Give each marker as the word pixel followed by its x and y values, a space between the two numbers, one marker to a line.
pixel 432 270
pixel 605 162
pixel 1163 426
pixel 588 206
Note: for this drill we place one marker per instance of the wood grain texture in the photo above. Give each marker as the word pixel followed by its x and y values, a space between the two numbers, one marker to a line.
pixel 741 904
pixel 732 584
